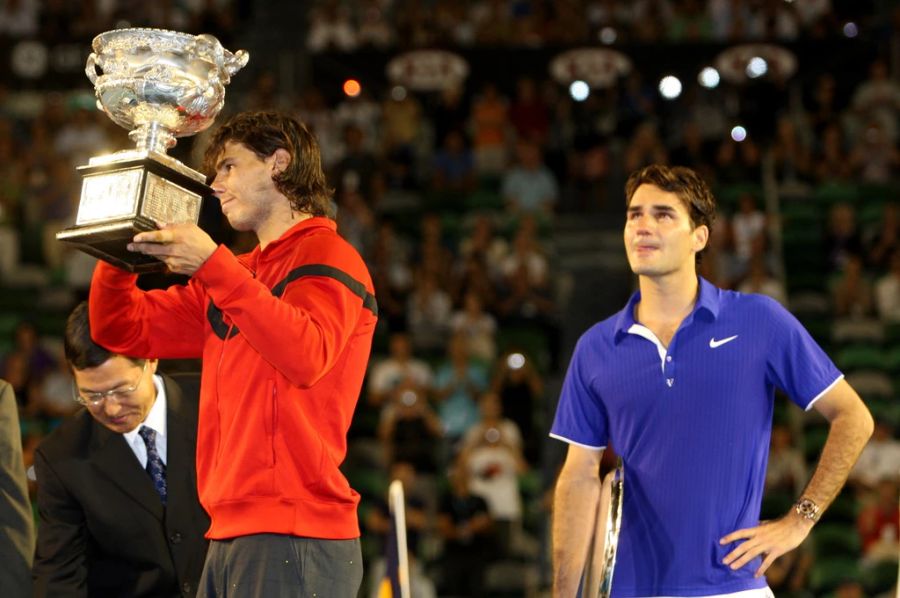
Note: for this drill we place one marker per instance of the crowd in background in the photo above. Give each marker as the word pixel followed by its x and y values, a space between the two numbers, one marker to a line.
pixel 389 24
pixel 452 198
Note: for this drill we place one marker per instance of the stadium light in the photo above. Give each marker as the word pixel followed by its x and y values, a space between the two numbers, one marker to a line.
pixel 670 87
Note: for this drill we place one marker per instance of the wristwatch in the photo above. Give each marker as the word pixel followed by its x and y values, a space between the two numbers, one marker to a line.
pixel 807 508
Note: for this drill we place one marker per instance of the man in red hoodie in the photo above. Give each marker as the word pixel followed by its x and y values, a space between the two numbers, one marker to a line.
pixel 284 333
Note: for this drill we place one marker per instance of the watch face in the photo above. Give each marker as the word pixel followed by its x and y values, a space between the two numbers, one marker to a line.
pixel 807 508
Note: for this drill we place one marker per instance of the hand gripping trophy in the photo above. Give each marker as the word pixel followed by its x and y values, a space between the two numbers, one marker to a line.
pixel 159 85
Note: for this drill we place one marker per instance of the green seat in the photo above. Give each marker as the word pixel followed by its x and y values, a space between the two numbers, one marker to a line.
pixel 800 280
pixel 835 192
pixel 878 192
pixel 880 577
pixel 369 482
pixel 843 510
pixel 885 409
pixel 484 199
pixel 870 213
pixel 891 360
pixel 8 323
pixel 860 357
pixel 828 573
pixel 819 328
pixel 728 195
pixel 813 441
pixel 802 235
pixel 800 210
pixel 836 540
pixel 892 334
pixel 775 504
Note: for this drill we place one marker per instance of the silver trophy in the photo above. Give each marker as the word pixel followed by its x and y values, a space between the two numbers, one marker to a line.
pixel 159 85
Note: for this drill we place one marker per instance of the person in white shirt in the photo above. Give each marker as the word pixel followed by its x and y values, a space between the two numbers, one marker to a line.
pixel 887 292
pixel 400 367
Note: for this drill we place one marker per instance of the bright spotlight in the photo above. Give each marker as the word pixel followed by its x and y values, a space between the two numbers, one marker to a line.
pixel 670 87
pixel 709 78
pixel 352 88
pixel 850 29
pixel 757 67
pixel 579 90
pixel 739 133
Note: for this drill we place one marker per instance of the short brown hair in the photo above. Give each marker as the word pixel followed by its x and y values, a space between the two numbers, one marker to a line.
pixel 303 181
pixel 690 188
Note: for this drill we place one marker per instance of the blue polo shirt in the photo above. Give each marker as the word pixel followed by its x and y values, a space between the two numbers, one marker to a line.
pixel 692 424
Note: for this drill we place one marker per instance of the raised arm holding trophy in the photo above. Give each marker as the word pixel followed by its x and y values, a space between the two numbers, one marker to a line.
pixel 284 331
pixel 159 85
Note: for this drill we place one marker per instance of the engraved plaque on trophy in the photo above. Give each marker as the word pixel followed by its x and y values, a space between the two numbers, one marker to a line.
pixel 159 85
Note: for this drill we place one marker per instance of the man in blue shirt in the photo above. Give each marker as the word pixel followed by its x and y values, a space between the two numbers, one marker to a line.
pixel 682 383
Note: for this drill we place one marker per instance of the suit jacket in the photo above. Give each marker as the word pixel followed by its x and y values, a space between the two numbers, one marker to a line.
pixel 16 519
pixel 103 530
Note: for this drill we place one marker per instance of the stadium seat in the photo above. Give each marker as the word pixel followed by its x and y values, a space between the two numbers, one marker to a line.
pixel 843 510
pixel 813 440
pixel 860 357
pixel 836 540
pixel 834 192
pixel 879 578
pixel 827 573
pixel 775 504
pixel 728 195
pixel 861 330
pixel 886 409
pixel 871 384
pixel 892 360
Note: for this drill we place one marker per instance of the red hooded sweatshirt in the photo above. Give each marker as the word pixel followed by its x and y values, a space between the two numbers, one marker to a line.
pixel 284 334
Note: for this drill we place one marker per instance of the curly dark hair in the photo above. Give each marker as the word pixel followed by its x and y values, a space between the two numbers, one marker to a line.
pixel 303 181
pixel 689 186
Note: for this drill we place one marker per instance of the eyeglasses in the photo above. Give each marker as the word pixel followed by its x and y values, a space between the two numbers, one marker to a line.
pixel 94 399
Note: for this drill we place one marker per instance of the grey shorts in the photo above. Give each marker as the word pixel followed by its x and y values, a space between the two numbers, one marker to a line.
pixel 274 565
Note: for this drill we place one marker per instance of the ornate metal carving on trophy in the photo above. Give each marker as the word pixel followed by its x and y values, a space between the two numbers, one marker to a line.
pixel 159 85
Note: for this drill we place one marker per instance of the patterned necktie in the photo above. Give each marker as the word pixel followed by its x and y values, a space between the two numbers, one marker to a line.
pixel 155 467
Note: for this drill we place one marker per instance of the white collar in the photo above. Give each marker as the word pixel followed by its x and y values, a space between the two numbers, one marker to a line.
pixel 156 419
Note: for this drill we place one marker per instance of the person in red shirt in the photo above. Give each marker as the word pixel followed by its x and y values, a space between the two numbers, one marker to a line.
pixel 879 522
pixel 285 333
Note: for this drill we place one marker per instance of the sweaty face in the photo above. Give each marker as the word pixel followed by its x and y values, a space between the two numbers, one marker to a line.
pixel 244 187
pixel 123 411
pixel 660 239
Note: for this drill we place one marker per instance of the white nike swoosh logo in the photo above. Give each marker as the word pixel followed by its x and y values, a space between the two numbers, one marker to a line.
pixel 713 343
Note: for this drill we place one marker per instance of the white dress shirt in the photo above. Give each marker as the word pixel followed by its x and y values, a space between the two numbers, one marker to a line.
pixel 156 420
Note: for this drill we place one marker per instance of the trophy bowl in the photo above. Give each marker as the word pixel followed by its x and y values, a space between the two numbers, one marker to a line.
pixel 159 85
pixel 147 78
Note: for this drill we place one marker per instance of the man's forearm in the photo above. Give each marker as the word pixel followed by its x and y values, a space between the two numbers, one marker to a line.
pixel 574 520
pixel 848 435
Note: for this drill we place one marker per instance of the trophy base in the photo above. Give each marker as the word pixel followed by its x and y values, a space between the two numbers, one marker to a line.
pixel 108 242
pixel 127 193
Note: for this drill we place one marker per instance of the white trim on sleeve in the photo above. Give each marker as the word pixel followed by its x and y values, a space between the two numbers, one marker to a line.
pixel 570 441
pixel 822 394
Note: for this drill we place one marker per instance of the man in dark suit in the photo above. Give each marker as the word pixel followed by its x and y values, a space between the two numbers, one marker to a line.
pixel 117 488
pixel 16 523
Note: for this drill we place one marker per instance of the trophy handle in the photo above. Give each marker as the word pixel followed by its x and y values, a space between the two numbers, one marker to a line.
pixel 90 68
pixel 236 61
